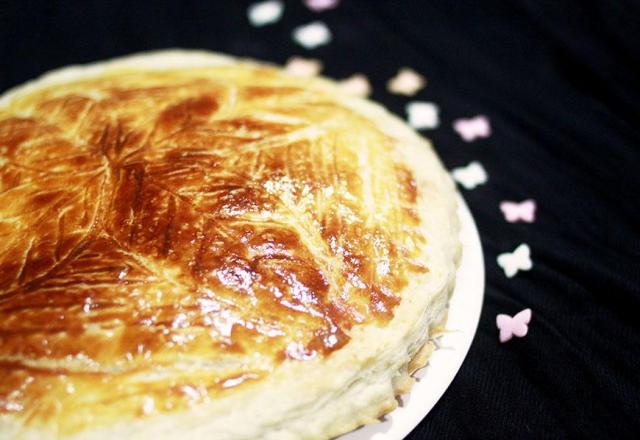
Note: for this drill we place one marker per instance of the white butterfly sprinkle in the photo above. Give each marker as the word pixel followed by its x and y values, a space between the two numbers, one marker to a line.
pixel 312 35
pixel 264 13
pixel 512 262
pixel 470 176
pixel 423 114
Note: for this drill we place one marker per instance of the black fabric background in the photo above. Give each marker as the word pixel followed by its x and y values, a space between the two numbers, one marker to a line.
pixel 561 85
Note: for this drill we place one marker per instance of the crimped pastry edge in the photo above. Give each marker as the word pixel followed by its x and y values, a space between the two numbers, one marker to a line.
pixel 404 383
pixel 444 255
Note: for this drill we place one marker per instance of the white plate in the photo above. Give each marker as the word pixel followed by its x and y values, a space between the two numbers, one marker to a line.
pixel 462 322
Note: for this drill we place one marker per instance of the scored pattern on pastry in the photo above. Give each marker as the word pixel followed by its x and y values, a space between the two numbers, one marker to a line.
pixel 169 236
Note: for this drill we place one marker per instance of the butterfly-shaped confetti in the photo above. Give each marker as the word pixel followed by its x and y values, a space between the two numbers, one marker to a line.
pixel 513 262
pixel 524 211
pixel 321 5
pixel 473 128
pixel 303 66
pixel 510 326
pixel 423 115
pixel 406 82
pixel 357 84
pixel 263 13
pixel 312 35
pixel 470 176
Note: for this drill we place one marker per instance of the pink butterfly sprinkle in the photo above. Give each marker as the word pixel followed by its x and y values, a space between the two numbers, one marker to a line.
pixel 473 128
pixel 516 325
pixel 321 5
pixel 524 211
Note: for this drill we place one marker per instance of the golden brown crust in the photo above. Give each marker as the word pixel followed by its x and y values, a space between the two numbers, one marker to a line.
pixel 157 220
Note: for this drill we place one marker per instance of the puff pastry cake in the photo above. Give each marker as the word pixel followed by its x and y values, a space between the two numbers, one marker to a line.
pixel 196 246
